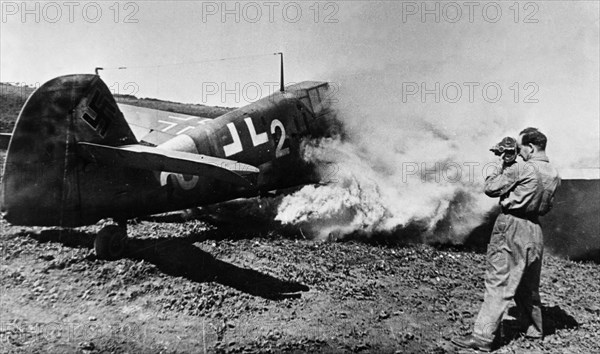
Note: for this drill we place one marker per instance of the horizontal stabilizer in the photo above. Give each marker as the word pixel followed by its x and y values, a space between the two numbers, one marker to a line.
pixel 154 126
pixel 151 158
pixel 4 140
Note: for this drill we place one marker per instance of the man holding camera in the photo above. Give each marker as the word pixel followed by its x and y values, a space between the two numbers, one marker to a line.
pixel 514 256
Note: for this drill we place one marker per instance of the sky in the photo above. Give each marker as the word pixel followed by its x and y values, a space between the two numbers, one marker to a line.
pixel 452 65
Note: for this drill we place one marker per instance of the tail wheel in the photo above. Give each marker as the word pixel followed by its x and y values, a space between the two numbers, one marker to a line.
pixel 111 242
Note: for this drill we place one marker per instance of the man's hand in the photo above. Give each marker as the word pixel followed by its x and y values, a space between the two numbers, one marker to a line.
pixel 507 150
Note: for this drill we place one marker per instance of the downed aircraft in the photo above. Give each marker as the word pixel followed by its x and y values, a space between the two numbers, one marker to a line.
pixel 76 156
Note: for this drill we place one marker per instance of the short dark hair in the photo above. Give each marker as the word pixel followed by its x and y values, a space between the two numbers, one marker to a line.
pixel 533 136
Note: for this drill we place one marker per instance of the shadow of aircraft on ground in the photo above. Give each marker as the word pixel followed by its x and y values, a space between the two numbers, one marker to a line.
pixel 177 256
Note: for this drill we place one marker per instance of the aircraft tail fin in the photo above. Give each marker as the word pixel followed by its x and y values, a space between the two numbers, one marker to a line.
pixel 42 170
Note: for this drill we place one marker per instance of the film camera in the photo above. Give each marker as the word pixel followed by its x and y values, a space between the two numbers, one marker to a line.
pixel 507 148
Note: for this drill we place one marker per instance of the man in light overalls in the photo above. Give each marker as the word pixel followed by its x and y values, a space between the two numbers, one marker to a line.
pixel 514 257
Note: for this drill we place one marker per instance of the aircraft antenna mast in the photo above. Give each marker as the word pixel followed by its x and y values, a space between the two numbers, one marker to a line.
pixel 97 69
pixel 281 88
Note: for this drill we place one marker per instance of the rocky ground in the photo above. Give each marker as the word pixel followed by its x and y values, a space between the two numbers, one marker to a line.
pixel 188 287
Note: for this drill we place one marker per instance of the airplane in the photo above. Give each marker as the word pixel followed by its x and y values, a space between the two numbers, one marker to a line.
pixel 76 156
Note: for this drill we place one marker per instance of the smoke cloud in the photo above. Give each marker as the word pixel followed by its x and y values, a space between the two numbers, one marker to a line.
pixel 393 170
pixel 397 160
pixel 366 199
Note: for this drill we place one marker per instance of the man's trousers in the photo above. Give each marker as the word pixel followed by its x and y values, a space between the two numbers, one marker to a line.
pixel 514 263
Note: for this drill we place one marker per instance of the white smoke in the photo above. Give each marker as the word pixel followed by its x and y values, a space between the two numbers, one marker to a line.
pixel 392 170
pixel 368 197
pixel 386 133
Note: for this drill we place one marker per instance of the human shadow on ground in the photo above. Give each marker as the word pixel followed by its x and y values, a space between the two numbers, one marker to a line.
pixel 554 318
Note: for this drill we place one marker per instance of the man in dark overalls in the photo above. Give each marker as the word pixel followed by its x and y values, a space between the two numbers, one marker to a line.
pixel 514 256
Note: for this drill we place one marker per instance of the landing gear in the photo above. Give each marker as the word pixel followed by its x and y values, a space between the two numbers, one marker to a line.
pixel 111 241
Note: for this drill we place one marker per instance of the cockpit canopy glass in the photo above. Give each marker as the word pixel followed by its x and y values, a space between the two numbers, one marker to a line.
pixel 316 98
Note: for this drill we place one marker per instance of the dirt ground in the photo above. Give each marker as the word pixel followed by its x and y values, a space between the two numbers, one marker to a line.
pixel 188 287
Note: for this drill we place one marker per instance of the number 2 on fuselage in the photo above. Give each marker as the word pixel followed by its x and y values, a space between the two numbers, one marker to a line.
pixel 257 139
pixel 279 150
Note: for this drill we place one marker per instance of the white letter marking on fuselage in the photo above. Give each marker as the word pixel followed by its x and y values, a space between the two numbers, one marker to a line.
pixel 236 146
pixel 257 139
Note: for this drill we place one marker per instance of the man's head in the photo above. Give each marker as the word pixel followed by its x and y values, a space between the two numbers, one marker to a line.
pixel 531 141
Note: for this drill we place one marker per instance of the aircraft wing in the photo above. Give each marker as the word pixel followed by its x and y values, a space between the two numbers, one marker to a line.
pixel 154 126
pixel 151 158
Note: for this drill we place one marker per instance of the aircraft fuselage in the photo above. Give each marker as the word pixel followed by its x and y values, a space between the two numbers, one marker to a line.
pixel 47 182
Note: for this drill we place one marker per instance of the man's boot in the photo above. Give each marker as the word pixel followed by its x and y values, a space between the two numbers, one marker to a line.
pixel 473 342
